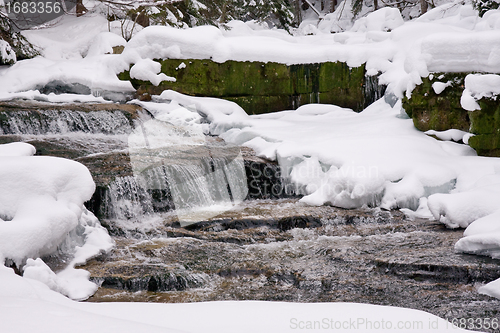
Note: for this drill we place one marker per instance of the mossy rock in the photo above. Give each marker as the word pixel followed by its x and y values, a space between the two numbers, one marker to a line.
pixel 485 123
pixel 440 112
pixel 260 87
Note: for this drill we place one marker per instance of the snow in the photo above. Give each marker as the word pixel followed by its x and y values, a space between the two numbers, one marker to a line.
pixel 450 37
pixel 7 55
pixel 491 289
pixel 478 86
pixel 27 305
pixel 349 158
pixel 439 87
pixel 449 135
pixel 104 43
pixel 149 70
pixel 384 19
pixel 17 149
pixel 42 212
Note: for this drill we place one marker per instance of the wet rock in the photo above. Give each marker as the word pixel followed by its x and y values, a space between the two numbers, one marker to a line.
pixel 96 136
pixel 36 118
pixel 59 87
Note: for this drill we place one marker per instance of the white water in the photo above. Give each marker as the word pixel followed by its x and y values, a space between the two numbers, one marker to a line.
pixel 45 121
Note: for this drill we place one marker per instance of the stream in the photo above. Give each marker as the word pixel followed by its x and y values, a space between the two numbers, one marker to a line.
pixel 253 239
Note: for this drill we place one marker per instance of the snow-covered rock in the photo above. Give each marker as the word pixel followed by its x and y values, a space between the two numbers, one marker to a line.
pixel 42 212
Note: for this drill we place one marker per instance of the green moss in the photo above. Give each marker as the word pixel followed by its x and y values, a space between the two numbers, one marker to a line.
pixel 260 104
pixel 485 123
pixel 438 112
pixel 444 111
pixel 262 87
pixel 486 120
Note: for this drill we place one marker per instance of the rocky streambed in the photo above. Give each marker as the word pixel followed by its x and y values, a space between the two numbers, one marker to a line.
pixel 268 247
pixel 281 250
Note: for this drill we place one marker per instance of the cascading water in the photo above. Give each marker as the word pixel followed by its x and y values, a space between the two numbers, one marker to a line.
pixel 201 179
pixel 172 168
pixel 63 121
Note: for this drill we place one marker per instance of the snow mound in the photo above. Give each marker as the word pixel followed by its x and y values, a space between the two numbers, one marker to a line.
pixel 478 86
pixel 149 70
pixel 104 43
pixel 17 149
pixel 384 19
pixel 42 213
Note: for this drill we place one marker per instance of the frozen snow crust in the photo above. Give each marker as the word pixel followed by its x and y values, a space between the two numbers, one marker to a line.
pixel 42 213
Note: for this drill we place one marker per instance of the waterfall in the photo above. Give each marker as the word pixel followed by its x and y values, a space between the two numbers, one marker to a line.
pixel 175 169
pixel 173 166
pixel 127 199
pixel 52 121
pixel 373 91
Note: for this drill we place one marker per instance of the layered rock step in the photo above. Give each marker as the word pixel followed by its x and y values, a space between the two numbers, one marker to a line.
pixel 281 250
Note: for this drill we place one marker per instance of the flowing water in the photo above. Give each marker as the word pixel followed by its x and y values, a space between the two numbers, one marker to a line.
pixel 254 239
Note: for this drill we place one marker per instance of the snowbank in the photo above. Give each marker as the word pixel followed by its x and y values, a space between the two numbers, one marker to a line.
pixel 349 159
pixel 149 70
pixel 42 213
pixel 478 86
pixel 17 149
pixel 29 306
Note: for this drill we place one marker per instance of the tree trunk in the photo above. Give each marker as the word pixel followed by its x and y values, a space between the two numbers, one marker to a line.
pixel 298 12
pixel 423 7
pixel 333 5
pixel 375 4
